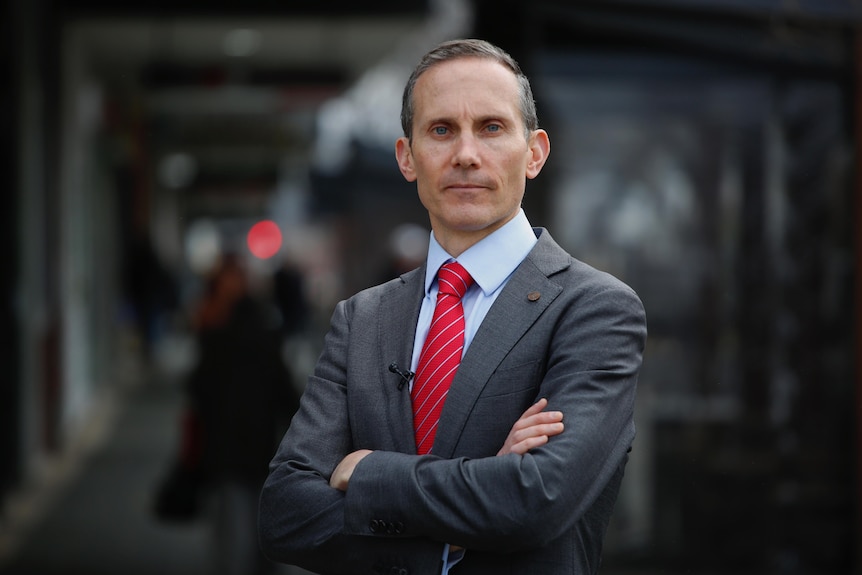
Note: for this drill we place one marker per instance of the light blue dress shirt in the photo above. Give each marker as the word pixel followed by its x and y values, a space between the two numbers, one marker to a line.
pixel 490 262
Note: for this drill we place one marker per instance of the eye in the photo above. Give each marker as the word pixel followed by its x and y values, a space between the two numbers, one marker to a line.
pixel 493 128
pixel 440 130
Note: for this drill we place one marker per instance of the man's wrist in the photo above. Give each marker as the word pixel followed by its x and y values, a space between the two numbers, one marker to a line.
pixel 340 478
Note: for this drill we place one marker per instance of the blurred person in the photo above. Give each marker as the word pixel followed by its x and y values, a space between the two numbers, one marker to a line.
pixel 151 289
pixel 288 289
pixel 243 397
pixel 520 469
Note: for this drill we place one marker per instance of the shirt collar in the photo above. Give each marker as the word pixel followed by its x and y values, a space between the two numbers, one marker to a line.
pixel 491 260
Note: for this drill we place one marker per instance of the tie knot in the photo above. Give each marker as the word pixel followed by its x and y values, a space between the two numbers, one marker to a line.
pixel 453 279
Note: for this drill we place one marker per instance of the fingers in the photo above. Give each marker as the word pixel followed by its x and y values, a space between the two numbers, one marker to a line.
pixel 531 437
pixel 533 429
pixel 535 408
pixel 529 443
pixel 534 416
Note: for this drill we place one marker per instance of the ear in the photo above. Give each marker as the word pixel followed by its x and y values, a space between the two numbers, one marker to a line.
pixel 405 158
pixel 539 148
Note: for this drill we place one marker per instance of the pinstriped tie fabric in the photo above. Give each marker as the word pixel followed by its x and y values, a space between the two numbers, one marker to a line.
pixel 441 354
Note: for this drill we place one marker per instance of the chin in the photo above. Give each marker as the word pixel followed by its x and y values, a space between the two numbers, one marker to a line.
pixel 472 226
pixel 467 223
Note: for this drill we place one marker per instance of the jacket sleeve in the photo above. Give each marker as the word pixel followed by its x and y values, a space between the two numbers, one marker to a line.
pixel 301 517
pixel 511 503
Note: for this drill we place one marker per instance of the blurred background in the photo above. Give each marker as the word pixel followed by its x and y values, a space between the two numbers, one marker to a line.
pixel 704 151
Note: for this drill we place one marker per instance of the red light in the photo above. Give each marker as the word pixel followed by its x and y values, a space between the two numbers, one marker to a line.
pixel 264 239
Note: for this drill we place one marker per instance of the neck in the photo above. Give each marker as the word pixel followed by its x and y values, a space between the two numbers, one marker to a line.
pixel 456 242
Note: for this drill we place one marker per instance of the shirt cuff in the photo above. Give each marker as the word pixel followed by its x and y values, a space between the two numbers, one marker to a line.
pixel 450 558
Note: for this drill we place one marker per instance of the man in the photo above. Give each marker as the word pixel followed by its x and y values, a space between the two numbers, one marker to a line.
pixel 529 449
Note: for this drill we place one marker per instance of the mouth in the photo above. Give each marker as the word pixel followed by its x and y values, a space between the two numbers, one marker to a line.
pixel 466 186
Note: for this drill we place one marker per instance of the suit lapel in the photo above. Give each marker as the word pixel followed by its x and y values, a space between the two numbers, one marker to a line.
pixel 516 309
pixel 399 311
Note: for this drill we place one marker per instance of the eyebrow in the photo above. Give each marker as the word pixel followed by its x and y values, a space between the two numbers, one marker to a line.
pixel 480 120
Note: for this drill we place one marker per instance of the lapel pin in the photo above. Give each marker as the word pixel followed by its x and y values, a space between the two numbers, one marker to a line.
pixel 534 296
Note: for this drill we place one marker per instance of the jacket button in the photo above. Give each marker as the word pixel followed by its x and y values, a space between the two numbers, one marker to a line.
pixel 375 525
pixel 399 527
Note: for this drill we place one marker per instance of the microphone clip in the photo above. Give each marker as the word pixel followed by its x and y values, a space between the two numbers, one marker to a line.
pixel 405 376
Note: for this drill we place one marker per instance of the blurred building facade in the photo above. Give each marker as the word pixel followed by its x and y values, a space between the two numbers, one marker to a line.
pixel 706 152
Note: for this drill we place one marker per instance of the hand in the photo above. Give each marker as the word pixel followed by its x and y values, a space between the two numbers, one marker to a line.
pixel 534 428
pixel 341 476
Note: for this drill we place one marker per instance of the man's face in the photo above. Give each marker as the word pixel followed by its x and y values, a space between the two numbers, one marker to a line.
pixel 469 156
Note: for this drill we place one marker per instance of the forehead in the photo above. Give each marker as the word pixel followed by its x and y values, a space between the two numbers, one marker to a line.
pixel 481 84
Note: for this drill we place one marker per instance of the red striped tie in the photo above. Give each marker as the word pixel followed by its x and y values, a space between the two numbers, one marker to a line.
pixel 441 354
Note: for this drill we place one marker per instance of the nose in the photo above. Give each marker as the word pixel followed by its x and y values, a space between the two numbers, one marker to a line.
pixel 466 151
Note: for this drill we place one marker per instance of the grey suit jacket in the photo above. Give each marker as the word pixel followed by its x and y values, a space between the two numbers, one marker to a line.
pixel 559 329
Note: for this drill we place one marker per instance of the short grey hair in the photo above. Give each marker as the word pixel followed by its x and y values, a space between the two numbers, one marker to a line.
pixel 469 48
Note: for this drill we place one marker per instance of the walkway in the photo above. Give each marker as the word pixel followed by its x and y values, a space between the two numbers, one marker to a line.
pixel 98 521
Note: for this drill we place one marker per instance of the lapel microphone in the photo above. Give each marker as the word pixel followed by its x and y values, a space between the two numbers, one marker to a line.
pixel 405 376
